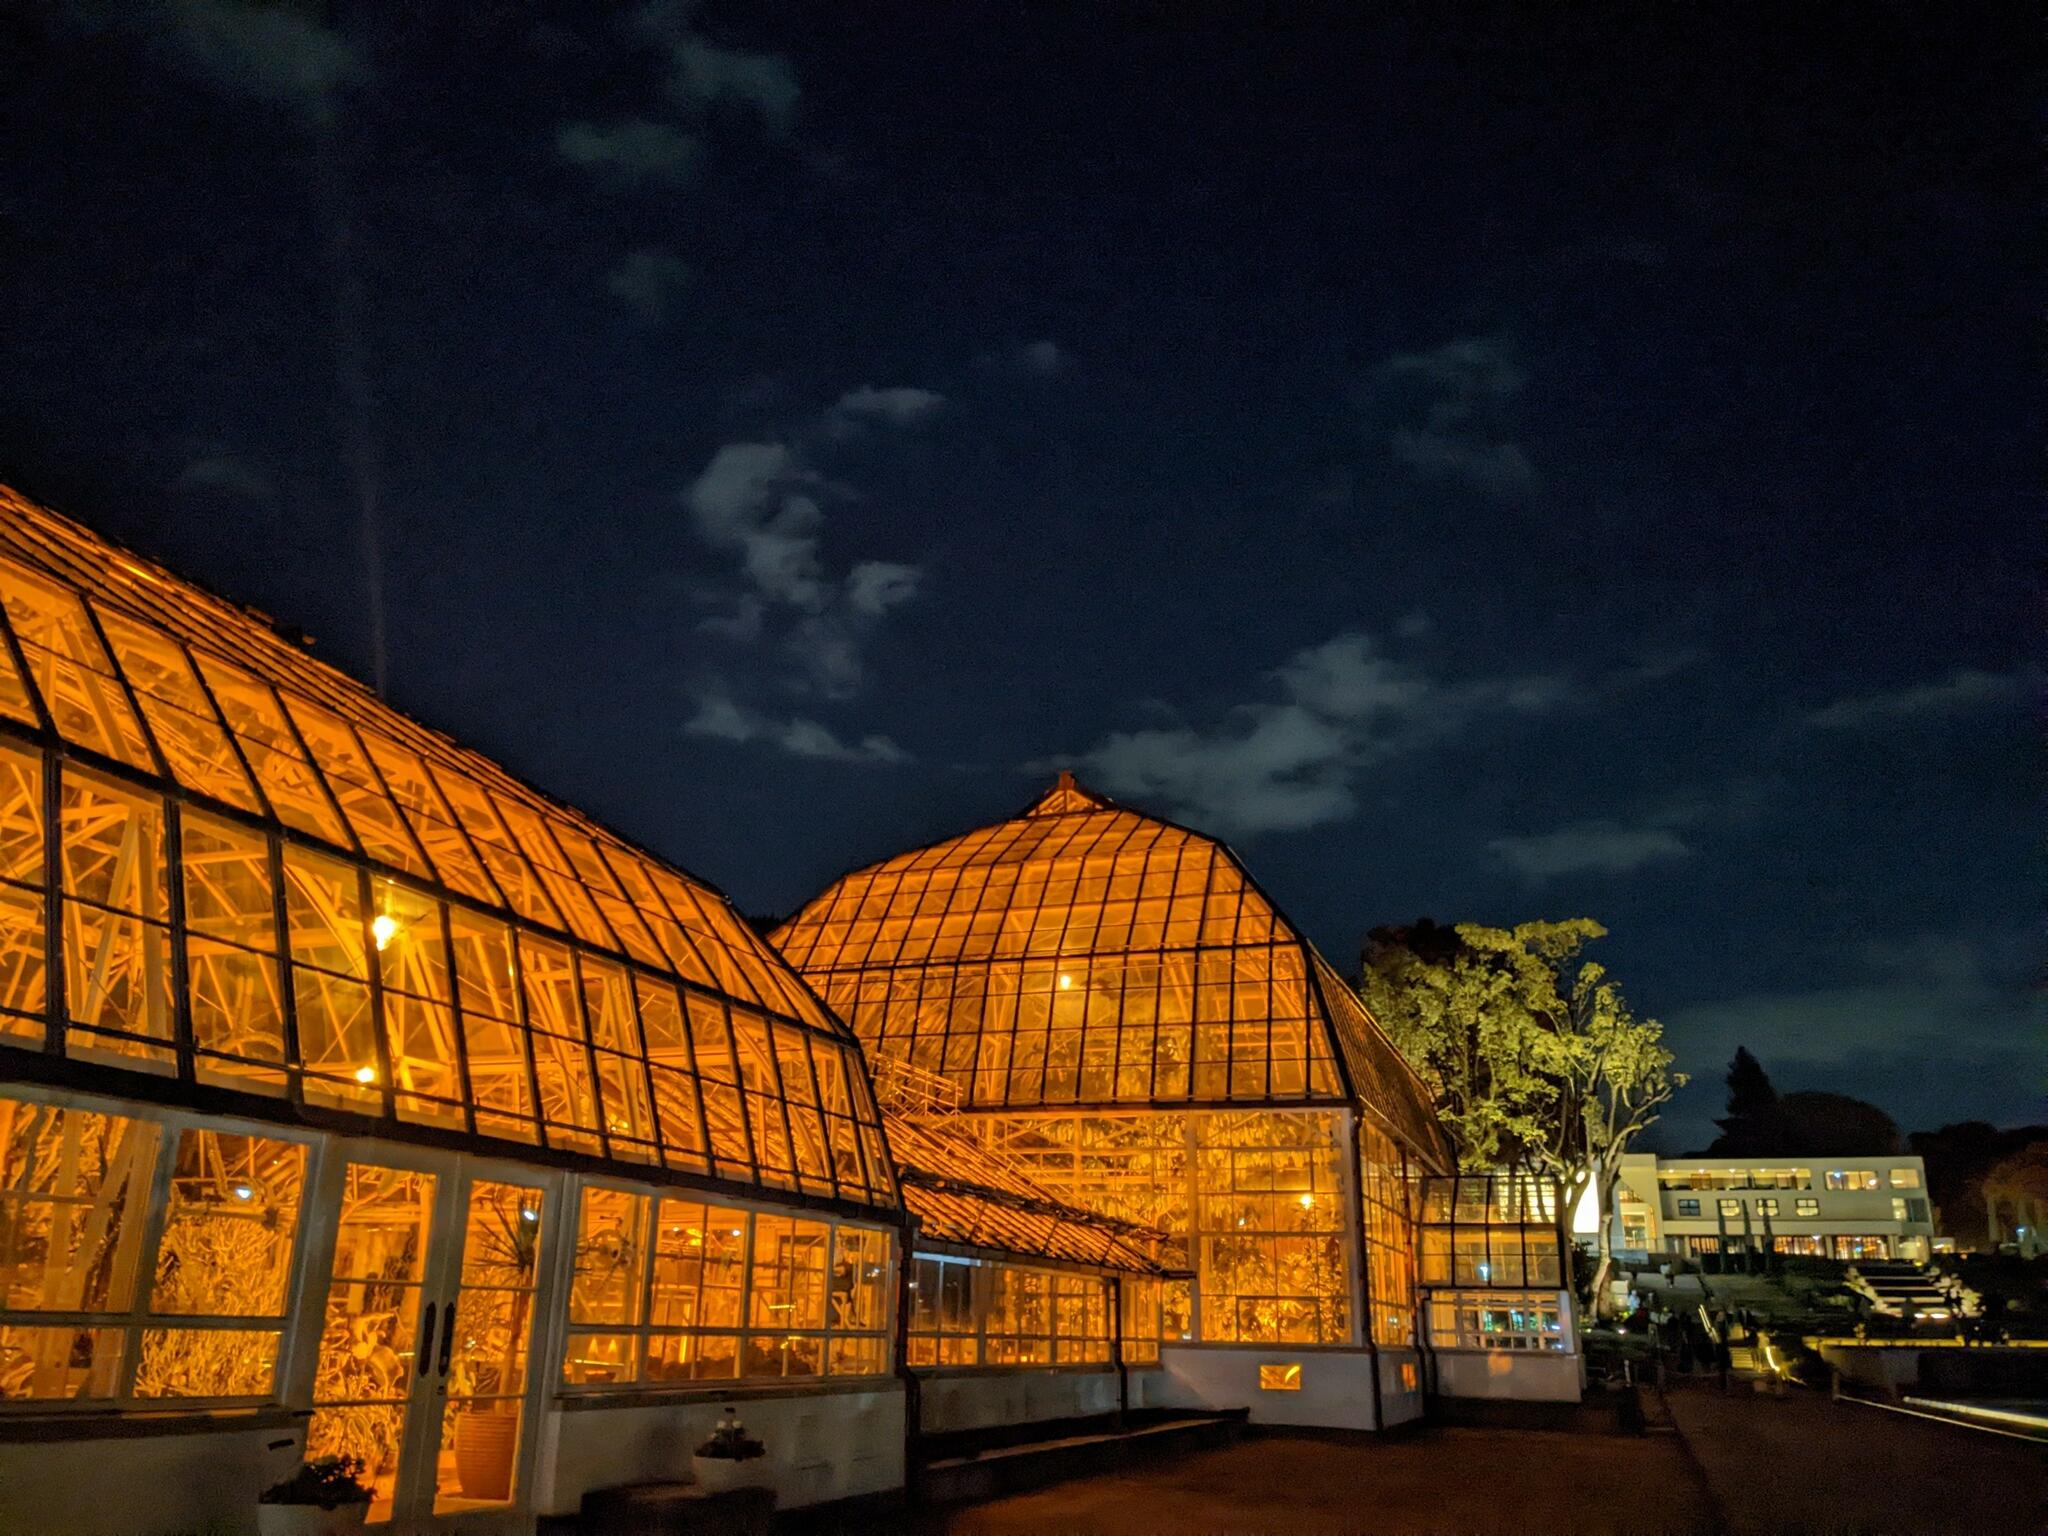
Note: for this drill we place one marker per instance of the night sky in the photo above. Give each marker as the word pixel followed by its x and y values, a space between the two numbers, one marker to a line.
pixel 1483 464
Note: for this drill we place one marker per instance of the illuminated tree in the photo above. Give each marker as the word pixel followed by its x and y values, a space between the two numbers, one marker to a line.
pixel 1535 1057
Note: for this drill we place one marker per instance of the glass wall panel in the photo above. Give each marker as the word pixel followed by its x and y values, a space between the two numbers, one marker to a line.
pixel 1492 1230
pixel 1271 1229
pixel 1389 1231
pixel 670 1290
pixel 24 958
pixel 328 940
pixel 201 1316
pixel 117 931
pixel 231 954
pixel 203 932
pixel 225 1254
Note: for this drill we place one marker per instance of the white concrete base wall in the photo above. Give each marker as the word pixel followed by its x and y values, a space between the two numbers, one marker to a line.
pixel 1533 1376
pixel 1336 1384
pixel 1402 1399
pixel 949 1401
pixel 829 1446
pixel 142 1485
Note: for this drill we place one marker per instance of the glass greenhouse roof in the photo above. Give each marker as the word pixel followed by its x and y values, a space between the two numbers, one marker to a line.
pixel 272 881
pixel 1082 953
pixel 964 1195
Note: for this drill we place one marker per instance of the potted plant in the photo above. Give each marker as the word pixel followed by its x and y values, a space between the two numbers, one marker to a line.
pixel 323 1497
pixel 486 1433
pixel 720 1462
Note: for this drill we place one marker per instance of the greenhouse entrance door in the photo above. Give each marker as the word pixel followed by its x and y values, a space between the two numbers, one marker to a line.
pixel 435 1299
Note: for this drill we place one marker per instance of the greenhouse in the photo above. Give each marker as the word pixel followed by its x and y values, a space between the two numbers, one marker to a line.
pixel 357 1099
pixel 1120 1011
pixel 1021 1307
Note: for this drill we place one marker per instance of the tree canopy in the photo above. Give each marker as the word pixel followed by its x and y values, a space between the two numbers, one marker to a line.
pixel 1535 1057
pixel 1811 1123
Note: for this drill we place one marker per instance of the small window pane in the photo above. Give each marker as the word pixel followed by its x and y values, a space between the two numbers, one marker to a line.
pixel 226 1249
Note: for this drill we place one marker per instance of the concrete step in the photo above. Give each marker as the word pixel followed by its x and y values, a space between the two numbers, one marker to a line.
pixel 1006 1469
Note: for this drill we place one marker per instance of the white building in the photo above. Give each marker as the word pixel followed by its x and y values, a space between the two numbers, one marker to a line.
pixel 1835 1208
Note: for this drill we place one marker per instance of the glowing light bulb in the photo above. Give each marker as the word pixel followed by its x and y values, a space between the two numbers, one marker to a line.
pixel 528 1214
pixel 1066 981
pixel 383 928
pixel 1307 1201
pixel 243 1192
pixel 366 1074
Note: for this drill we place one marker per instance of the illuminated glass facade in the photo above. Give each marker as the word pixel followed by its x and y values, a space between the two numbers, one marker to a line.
pixel 346 1079
pixel 1121 1012
pixel 224 862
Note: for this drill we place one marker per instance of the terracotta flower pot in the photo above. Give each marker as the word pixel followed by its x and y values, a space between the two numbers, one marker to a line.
pixel 484 1446
pixel 310 1519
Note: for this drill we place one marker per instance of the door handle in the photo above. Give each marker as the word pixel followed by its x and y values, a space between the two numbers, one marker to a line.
pixel 447 1337
pixel 426 1354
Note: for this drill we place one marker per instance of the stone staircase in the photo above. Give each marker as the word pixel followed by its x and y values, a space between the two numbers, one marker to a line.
pixel 1905 1291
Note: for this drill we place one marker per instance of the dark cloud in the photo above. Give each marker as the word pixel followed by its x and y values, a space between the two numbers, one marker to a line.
pixel 1599 846
pixel 1962 692
pixel 1449 414
pixel 648 281
pixel 634 153
pixel 1294 760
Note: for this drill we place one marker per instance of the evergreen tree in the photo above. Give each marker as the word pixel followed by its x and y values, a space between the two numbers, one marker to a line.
pixel 1751 1125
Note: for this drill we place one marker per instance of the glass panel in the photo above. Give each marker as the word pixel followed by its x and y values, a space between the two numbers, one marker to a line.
pixel 362 1385
pixel 1271 1229
pixel 206 1362
pixel 287 778
pixel 179 715
pixel 39 1364
pixel 787 1296
pixel 65 657
pixel 226 1249
pixel 352 781
pixel 73 1186
pixel 483 1417
pixel 860 1282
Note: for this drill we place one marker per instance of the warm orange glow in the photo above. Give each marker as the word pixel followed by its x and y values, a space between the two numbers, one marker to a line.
pixel 508 964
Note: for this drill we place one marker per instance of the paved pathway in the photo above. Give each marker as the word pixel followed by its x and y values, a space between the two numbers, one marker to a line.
pixel 1802 1463
pixel 1471 1482
pixel 1745 1465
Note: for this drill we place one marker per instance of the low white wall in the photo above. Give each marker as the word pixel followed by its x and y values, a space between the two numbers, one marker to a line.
pixel 142 1485
pixel 1534 1376
pixel 1336 1384
pixel 1402 1399
pixel 823 1446
pixel 949 1401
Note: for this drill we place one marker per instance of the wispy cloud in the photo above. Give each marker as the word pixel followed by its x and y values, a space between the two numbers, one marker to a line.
pixel 276 55
pixel 1448 414
pixel 700 75
pixel 224 474
pixel 720 719
pixel 1294 760
pixel 630 154
pixel 1930 1027
pixel 1043 358
pixel 1962 692
pixel 899 406
pixel 766 503
pixel 648 281
pixel 1600 846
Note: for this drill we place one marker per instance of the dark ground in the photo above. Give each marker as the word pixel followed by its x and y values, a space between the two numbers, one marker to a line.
pixel 1742 1465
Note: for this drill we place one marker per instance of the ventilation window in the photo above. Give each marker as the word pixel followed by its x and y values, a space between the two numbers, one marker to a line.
pixel 1280 1378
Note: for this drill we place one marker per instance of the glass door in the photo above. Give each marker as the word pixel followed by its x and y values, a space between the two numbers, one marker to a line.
pixel 376 1340
pixel 478 1427
pixel 434 1297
